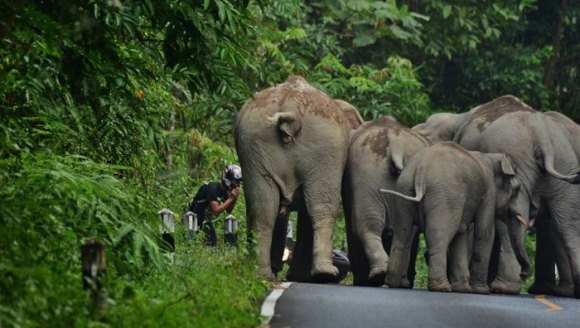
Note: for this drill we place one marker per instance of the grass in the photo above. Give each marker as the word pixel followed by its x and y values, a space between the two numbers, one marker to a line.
pixel 205 287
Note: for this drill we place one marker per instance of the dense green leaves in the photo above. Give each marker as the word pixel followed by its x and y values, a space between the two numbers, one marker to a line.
pixel 47 209
pixel 110 110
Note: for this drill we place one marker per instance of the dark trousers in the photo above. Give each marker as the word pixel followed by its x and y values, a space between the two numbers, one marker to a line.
pixel 210 235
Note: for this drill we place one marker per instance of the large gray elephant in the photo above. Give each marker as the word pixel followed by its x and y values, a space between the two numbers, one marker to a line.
pixel 377 154
pixel 292 142
pixel 454 188
pixel 549 248
pixel 547 167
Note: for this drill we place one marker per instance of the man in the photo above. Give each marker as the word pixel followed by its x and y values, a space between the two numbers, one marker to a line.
pixel 214 198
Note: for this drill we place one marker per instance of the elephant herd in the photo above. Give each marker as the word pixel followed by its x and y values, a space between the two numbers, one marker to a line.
pixel 470 182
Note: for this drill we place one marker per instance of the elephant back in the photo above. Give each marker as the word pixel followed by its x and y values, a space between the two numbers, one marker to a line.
pixel 297 95
pixel 485 114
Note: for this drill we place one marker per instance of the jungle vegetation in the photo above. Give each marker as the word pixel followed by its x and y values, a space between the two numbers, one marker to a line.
pixel 111 110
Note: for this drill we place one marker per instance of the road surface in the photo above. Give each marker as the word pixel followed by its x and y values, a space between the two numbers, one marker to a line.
pixel 317 305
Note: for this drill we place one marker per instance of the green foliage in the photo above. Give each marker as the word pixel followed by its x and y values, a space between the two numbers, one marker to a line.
pixel 205 288
pixel 393 90
pixel 91 145
pixel 517 71
pixel 462 26
pixel 47 209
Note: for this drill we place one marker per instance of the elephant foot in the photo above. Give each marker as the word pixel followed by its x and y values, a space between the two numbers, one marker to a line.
pixel 499 286
pixel 439 285
pixel 542 288
pixel 564 291
pixel 377 276
pixel 394 280
pixel 324 273
pixel 480 289
pixel 461 287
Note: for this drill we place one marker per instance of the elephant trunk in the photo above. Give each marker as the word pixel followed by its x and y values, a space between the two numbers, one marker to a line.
pixel 517 232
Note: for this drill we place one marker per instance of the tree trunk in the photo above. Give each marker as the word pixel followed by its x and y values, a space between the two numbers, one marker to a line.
pixel 550 69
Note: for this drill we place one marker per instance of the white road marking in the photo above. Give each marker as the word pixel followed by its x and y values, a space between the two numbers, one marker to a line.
pixel 269 304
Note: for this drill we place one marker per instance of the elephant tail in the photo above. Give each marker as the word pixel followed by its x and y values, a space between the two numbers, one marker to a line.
pixel 546 145
pixel 419 189
pixel 288 124
pixel 392 192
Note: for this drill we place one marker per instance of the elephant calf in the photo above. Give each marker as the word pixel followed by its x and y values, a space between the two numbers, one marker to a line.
pixel 377 154
pixel 454 188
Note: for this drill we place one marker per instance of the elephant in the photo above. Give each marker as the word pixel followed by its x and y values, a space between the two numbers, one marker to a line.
pixel 292 142
pixel 440 126
pixel 542 149
pixel 446 126
pixel 454 189
pixel 549 247
pixel 378 152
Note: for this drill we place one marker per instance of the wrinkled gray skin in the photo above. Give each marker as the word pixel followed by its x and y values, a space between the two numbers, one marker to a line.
pixel 546 166
pixel 292 142
pixel 549 247
pixel 351 113
pixel 454 188
pixel 377 154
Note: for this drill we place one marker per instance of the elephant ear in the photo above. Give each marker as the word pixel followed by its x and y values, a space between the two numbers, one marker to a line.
pixel 289 126
pixel 396 161
pixel 507 166
pixel 509 169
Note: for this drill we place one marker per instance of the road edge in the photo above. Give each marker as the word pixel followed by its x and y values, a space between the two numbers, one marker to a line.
pixel 268 307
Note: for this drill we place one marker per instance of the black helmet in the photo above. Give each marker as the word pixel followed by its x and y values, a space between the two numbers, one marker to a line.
pixel 231 172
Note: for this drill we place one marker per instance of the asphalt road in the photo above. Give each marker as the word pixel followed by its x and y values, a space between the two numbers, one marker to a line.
pixel 319 306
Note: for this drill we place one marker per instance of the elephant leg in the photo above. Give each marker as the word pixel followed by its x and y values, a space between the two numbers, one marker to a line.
pixel 483 240
pixel 568 233
pixel 507 280
pixel 545 279
pixel 438 234
pixel 322 206
pixel 403 236
pixel 411 271
pixel 493 260
pixel 573 251
pixel 459 263
pixel 263 201
pixel 279 242
pixel 370 231
pixel 359 264
pixel 565 276
pixel 302 255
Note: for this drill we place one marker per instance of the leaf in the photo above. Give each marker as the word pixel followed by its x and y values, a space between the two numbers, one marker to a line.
pixel 399 32
pixel 446 11
pixel 363 40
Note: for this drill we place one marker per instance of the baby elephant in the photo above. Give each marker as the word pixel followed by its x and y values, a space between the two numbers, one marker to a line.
pixel 454 188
